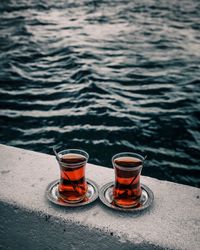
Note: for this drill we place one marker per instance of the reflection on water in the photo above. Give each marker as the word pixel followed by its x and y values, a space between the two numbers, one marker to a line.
pixel 104 76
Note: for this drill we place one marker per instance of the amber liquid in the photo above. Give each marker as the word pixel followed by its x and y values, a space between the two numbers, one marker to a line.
pixel 127 190
pixel 72 187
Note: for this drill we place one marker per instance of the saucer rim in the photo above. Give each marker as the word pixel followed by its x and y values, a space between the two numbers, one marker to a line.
pixel 147 204
pixel 50 197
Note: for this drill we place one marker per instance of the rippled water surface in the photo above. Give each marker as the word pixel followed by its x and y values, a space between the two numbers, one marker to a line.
pixel 104 76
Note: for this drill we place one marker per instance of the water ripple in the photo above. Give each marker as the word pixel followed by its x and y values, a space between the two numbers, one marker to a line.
pixel 105 76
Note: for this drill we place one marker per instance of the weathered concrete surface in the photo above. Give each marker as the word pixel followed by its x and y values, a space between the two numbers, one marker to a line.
pixel 29 221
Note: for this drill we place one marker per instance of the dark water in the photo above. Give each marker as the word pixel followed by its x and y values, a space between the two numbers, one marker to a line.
pixel 104 76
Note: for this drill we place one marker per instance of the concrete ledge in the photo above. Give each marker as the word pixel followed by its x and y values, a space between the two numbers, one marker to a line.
pixel 29 221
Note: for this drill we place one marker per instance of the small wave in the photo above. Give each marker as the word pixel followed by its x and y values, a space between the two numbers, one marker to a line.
pixel 106 77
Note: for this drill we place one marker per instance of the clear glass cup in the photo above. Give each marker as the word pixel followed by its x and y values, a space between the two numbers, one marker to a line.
pixel 72 186
pixel 127 188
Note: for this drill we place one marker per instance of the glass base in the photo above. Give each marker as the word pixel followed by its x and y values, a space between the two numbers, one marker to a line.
pixel 71 201
pixel 126 206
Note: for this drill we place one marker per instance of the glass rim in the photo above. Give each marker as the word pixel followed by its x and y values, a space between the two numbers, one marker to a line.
pixel 131 154
pixel 73 151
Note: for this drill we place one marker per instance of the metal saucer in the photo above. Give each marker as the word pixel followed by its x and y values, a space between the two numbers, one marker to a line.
pixel 106 196
pixel 53 195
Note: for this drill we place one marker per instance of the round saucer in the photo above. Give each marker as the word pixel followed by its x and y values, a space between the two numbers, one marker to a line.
pixel 53 195
pixel 106 196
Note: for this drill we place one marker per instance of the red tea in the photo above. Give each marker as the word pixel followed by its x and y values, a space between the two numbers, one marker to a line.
pixel 72 186
pixel 127 190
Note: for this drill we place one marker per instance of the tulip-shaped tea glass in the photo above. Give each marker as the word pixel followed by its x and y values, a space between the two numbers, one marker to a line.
pixel 127 189
pixel 72 186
